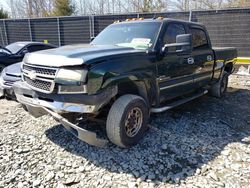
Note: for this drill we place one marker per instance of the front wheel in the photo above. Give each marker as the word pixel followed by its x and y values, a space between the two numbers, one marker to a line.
pixel 219 88
pixel 127 120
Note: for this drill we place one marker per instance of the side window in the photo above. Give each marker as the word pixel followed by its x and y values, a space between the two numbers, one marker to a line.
pixel 199 39
pixel 32 48
pixel 35 48
pixel 172 31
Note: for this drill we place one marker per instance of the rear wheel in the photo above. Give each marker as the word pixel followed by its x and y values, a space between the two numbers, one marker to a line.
pixel 219 88
pixel 127 120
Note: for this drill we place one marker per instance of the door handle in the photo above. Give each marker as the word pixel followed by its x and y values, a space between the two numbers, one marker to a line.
pixel 190 60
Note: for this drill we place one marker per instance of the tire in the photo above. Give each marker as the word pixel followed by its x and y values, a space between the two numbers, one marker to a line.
pixel 127 111
pixel 220 88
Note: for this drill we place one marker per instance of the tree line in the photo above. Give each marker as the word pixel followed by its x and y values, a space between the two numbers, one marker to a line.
pixel 48 8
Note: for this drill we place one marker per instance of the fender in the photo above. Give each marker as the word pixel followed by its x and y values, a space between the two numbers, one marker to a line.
pixel 137 83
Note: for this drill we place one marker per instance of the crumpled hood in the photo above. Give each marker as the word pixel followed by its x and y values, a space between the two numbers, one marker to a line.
pixel 14 69
pixel 76 55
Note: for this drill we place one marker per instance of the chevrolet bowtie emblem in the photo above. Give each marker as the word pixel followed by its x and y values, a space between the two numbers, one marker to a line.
pixel 32 75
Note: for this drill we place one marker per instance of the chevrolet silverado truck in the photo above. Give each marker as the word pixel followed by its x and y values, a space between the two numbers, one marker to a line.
pixel 131 69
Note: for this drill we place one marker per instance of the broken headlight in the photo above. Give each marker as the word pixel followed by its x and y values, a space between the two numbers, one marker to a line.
pixel 71 77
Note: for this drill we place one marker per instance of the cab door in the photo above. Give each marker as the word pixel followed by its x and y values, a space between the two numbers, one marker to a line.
pixel 203 56
pixel 175 70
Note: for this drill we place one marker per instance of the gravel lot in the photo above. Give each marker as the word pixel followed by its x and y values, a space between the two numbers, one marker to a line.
pixel 205 143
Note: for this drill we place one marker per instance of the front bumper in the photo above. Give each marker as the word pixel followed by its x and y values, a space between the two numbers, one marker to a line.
pixel 83 134
pixel 37 104
pixel 62 103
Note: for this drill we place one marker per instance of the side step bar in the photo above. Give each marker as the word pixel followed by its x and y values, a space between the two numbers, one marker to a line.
pixel 177 103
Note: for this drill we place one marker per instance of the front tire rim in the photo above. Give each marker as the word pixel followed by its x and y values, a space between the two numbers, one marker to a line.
pixel 133 122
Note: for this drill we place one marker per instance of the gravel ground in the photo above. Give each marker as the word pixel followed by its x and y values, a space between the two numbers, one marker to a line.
pixel 204 143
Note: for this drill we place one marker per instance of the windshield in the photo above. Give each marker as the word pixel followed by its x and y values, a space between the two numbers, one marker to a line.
pixel 136 35
pixel 15 47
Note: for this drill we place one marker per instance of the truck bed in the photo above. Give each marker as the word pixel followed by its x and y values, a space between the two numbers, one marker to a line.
pixel 225 53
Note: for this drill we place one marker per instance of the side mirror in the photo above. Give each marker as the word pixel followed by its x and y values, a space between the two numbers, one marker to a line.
pixel 92 38
pixel 183 44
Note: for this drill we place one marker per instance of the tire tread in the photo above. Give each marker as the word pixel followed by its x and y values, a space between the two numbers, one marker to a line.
pixel 115 116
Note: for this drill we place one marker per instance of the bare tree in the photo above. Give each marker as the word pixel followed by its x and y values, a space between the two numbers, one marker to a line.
pixel 44 8
pixel 30 8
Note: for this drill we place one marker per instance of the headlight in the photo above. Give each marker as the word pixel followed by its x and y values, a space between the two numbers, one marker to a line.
pixel 71 77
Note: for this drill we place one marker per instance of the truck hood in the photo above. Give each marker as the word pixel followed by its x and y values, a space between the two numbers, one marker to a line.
pixel 72 55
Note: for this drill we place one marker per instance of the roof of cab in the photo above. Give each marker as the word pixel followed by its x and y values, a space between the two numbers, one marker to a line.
pixel 159 19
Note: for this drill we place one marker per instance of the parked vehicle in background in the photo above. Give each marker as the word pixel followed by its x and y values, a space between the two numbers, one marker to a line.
pixel 14 53
pixel 131 69
pixel 12 73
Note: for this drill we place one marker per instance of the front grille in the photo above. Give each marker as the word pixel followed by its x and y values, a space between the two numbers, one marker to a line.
pixel 39 84
pixel 39 70
pixel 39 78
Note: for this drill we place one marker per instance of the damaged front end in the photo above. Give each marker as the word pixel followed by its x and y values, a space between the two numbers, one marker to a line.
pixel 39 104
pixel 83 134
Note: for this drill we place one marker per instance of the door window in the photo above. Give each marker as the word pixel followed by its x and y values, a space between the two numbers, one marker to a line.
pixel 170 35
pixel 199 39
pixel 172 31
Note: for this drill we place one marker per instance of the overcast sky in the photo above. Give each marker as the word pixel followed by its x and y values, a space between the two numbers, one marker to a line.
pixel 3 4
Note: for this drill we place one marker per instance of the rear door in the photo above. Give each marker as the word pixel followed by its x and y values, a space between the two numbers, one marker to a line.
pixel 175 73
pixel 203 56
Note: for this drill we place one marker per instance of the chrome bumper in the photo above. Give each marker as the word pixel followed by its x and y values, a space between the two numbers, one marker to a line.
pixel 83 134
pixel 59 107
pixel 39 108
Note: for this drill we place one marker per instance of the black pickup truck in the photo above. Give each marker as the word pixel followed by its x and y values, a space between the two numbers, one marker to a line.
pixel 130 70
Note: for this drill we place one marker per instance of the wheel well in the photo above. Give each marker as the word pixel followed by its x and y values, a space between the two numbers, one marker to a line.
pixel 229 67
pixel 134 88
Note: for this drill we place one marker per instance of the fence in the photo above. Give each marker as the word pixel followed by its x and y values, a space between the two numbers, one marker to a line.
pixel 230 27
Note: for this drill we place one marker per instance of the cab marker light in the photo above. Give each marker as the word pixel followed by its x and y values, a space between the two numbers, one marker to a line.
pixel 160 18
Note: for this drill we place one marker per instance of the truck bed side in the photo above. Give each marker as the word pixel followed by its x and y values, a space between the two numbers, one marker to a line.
pixel 227 54
pixel 224 58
